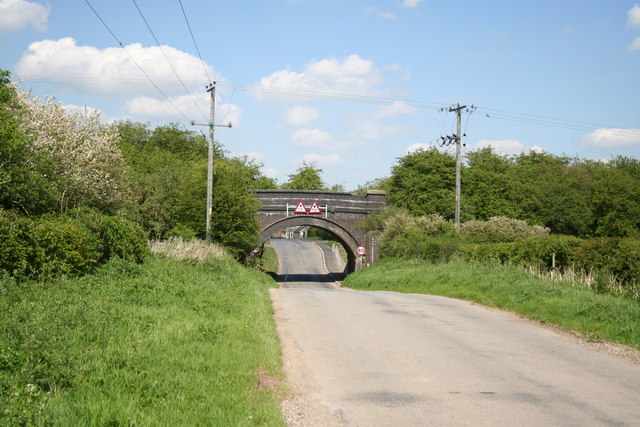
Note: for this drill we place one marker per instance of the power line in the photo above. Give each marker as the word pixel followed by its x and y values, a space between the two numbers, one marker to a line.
pixel 194 42
pixel 167 58
pixel 334 96
pixel 136 62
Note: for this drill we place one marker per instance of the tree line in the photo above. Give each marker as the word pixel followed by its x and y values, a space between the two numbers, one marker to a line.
pixel 571 196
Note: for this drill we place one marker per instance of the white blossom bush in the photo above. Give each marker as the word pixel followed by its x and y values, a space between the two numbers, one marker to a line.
pixel 501 229
pixel 85 152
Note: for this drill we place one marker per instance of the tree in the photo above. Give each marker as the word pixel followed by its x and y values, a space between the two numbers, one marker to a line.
pixel 84 153
pixel 487 185
pixel 424 183
pixel 27 181
pixel 307 177
pixel 616 197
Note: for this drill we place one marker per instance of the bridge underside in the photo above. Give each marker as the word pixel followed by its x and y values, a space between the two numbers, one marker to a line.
pixel 344 237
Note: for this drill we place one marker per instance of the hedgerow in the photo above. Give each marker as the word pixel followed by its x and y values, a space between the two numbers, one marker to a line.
pixel 47 246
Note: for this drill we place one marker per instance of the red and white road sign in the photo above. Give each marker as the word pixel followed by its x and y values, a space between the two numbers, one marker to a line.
pixel 314 209
pixel 300 208
pixel 361 250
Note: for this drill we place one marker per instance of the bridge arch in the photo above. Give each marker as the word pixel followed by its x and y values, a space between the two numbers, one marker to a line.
pixel 345 238
pixel 337 213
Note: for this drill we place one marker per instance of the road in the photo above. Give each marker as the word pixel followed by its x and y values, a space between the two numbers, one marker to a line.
pixel 388 359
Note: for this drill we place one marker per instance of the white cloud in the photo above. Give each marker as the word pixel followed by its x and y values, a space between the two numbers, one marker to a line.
pixel 633 16
pixel 536 149
pixel 503 146
pixel 111 70
pixel 612 138
pixel 301 115
pixel 153 108
pixel 418 146
pixel 394 109
pixel 329 159
pixel 270 172
pixel 257 157
pixel 376 11
pixel 635 44
pixel 349 76
pixel 411 3
pixel 313 138
pixel 18 14
pixel 405 74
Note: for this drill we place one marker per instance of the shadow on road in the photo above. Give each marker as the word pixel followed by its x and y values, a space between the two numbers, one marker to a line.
pixel 322 278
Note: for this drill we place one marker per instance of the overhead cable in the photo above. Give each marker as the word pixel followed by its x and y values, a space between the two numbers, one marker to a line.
pixel 167 58
pixel 136 62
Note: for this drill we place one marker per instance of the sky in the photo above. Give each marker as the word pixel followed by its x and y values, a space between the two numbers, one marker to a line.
pixel 347 85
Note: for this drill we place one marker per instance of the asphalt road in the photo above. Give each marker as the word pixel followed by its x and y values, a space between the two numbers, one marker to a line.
pixel 388 359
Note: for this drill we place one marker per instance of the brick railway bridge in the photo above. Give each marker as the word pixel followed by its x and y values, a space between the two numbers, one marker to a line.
pixel 336 213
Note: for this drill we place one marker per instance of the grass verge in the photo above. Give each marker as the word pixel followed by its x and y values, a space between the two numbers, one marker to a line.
pixel 597 316
pixel 164 343
pixel 270 261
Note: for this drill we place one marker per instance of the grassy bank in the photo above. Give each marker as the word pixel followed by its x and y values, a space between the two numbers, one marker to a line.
pixel 164 343
pixel 598 316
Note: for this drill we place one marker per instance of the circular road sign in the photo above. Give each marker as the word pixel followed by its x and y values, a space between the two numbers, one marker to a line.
pixel 256 250
pixel 361 250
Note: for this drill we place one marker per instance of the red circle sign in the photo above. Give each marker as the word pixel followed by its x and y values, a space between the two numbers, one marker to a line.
pixel 361 250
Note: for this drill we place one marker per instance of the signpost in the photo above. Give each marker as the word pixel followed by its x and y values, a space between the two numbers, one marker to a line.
pixel 361 250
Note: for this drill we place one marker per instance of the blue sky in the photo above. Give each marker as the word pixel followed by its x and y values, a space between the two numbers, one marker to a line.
pixel 350 85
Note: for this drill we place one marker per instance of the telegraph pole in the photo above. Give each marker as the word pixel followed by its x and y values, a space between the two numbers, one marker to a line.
pixel 447 140
pixel 211 88
pixel 212 112
pixel 458 110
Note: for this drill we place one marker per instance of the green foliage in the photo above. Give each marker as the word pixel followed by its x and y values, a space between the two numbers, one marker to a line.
pixel 234 222
pixel 168 179
pixel 163 343
pixel 307 177
pixel 618 256
pixel 424 183
pixel 536 251
pixel 500 229
pixel 50 246
pixel 428 237
pixel 567 195
pixel 27 181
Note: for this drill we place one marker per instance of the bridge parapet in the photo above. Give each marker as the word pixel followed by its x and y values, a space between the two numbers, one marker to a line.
pixel 343 212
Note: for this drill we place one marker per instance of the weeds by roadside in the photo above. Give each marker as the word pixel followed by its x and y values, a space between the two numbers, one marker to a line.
pixel 163 343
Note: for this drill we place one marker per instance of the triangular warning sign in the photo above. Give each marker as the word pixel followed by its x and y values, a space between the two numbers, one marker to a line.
pixel 300 208
pixel 314 208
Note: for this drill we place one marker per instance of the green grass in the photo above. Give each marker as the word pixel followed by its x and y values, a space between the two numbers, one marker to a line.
pixel 597 316
pixel 270 261
pixel 164 343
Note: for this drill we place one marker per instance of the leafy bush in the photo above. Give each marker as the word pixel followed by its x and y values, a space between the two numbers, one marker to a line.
pixel 118 237
pixel 501 229
pixel 538 251
pixel 618 256
pixel 66 245
pixel 48 246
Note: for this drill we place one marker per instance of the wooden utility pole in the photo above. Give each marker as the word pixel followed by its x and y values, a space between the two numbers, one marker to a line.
pixel 212 112
pixel 211 88
pixel 458 109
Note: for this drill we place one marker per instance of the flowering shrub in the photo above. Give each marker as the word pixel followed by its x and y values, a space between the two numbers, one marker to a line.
pixel 84 152
pixel 501 229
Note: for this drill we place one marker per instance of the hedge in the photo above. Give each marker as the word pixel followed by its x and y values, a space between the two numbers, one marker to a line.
pixel 42 247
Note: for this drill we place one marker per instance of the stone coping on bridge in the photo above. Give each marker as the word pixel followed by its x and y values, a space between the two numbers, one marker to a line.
pixel 277 200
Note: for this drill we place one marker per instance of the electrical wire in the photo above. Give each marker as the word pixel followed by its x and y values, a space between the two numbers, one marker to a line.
pixel 194 42
pixel 136 62
pixel 487 113
pixel 167 58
